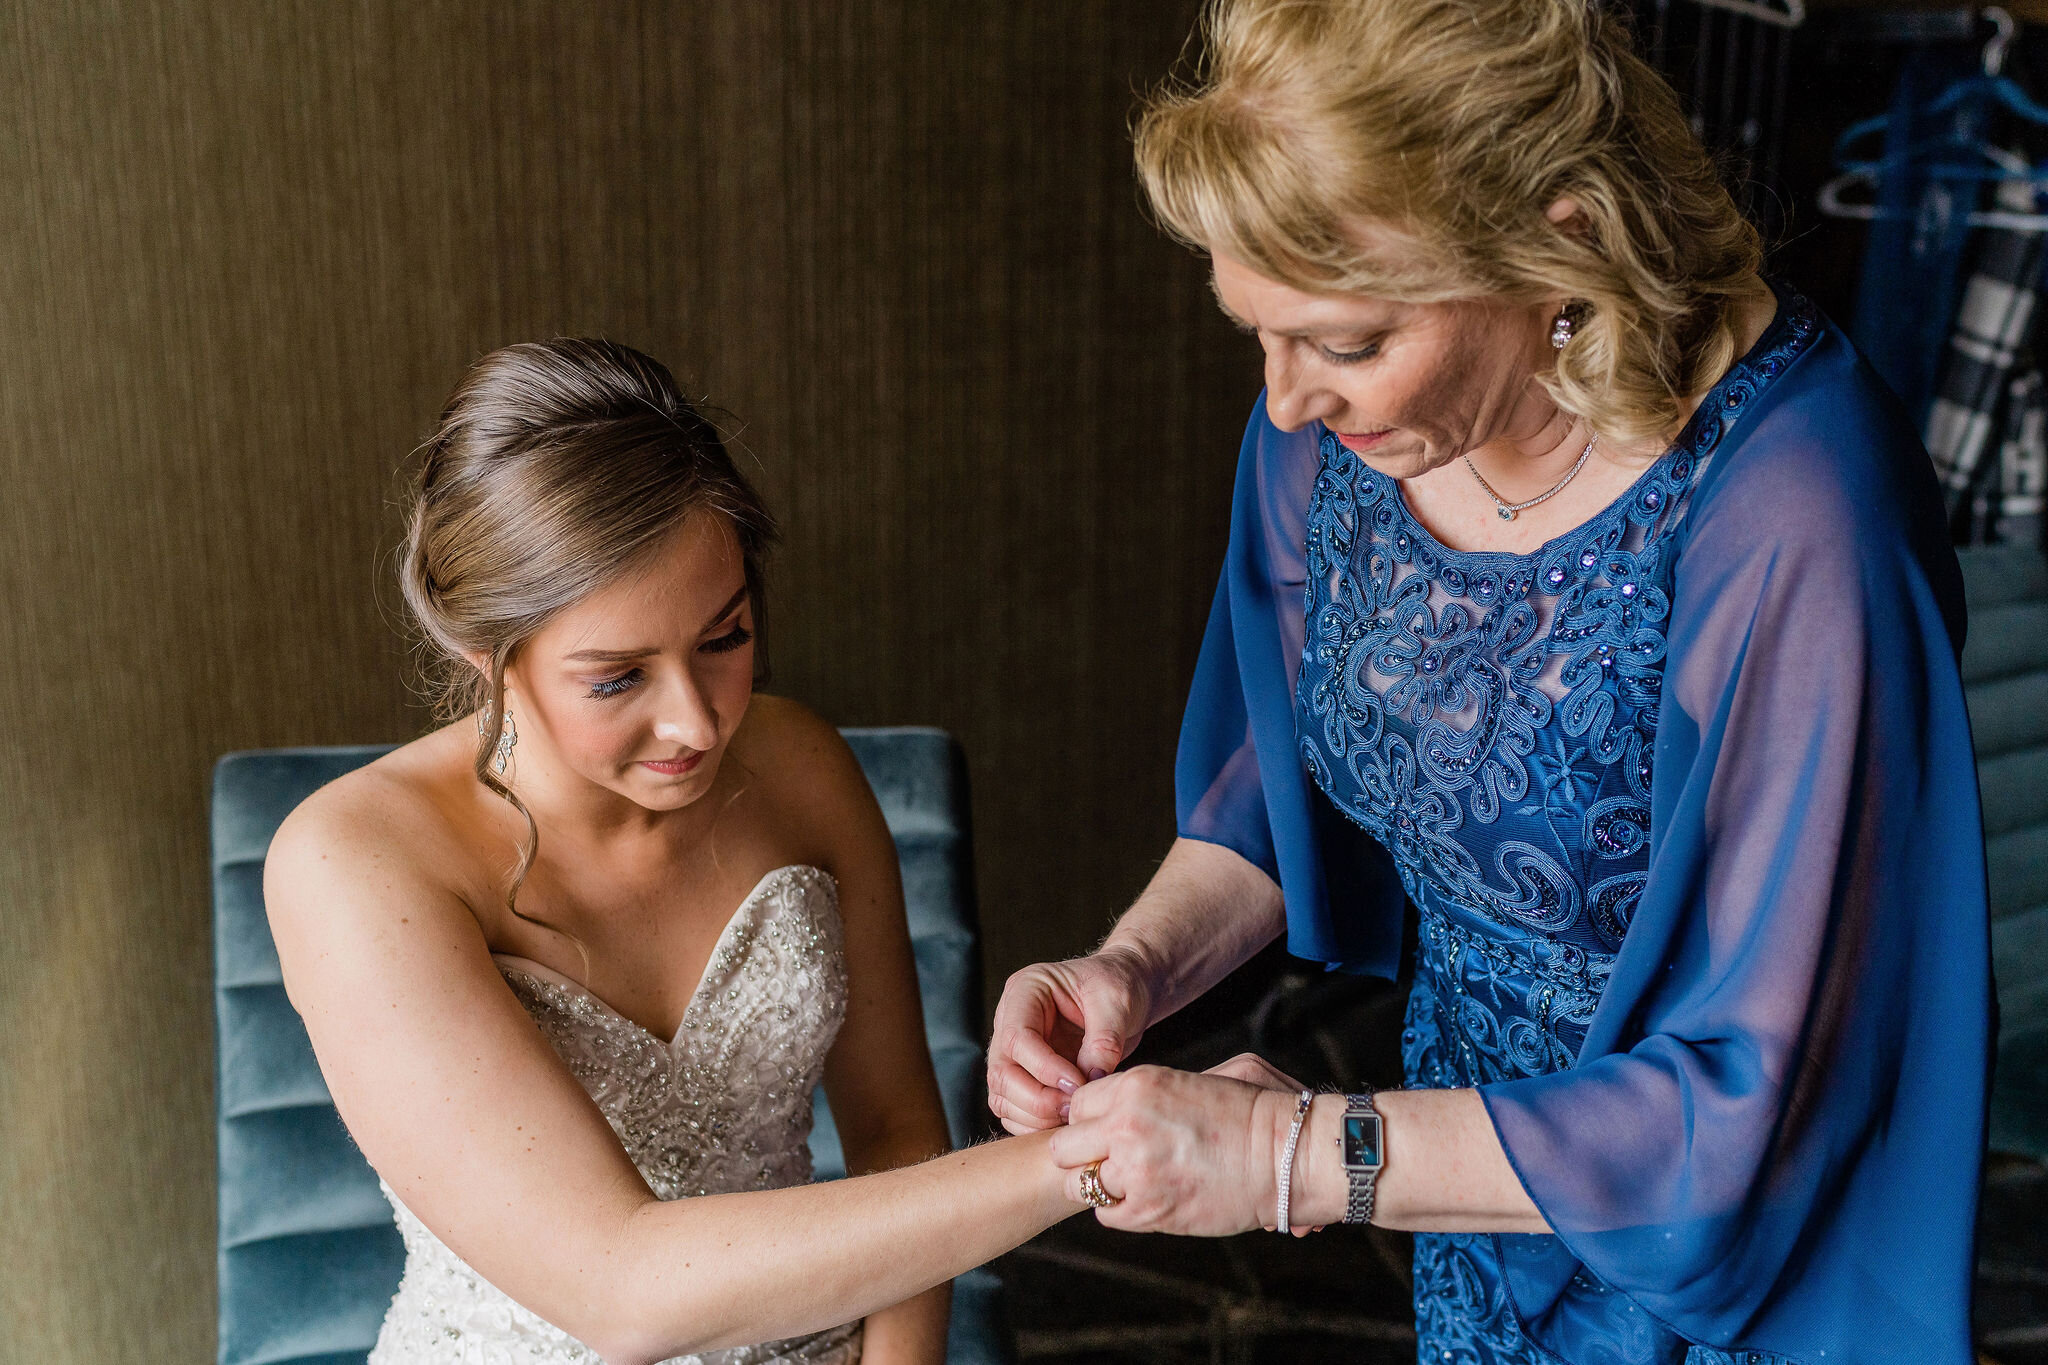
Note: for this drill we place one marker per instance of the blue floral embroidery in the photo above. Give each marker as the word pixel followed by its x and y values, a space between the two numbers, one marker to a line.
pixel 1490 718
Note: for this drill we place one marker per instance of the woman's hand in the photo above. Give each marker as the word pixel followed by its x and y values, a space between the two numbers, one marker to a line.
pixel 1188 1154
pixel 1060 1025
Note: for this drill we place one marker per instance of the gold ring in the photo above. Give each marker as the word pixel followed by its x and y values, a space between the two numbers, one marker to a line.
pixel 1094 1191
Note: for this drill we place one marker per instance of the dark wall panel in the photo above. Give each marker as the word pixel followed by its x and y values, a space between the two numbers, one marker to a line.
pixel 249 247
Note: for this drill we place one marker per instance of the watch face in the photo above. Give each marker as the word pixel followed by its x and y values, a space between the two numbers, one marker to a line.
pixel 1362 1140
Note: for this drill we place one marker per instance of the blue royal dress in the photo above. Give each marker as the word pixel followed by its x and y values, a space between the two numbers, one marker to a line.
pixel 1685 804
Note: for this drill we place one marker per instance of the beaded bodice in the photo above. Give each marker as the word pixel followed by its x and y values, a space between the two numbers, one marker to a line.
pixel 724 1106
pixel 1490 719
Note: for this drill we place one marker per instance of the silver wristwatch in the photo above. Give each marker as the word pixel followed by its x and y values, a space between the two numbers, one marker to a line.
pixel 1360 1137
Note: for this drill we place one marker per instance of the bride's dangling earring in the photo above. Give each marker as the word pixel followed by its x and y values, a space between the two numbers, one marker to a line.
pixel 508 735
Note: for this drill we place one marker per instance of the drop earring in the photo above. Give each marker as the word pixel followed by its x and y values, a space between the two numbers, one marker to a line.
pixel 508 735
pixel 1562 326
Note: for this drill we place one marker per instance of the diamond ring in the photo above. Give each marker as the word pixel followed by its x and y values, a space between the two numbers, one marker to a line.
pixel 1093 1190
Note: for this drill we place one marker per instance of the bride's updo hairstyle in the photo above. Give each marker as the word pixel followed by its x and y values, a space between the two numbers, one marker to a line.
pixel 557 467
pixel 1451 126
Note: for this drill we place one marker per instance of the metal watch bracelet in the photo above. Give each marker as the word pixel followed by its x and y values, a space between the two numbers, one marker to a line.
pixel 1361 1145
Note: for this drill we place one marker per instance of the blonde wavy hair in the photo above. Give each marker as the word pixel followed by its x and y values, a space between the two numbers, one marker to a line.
pixel 1450 127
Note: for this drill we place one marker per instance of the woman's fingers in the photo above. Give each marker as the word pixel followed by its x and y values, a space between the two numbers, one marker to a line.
pixel 1032 1011
pixel 1077 1149
pixel 1000 1107
pixel 1077 1144
pixel 1015 1096
pixel 1016 1119
pixel 1116 1121
pixel 1190 1153
pixel 1066 1023
pixel 1108 1028
pixel 1110 1215
pixel 1030 1054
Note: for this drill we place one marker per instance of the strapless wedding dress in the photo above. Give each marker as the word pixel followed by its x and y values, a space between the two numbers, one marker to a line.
pixel 723 1107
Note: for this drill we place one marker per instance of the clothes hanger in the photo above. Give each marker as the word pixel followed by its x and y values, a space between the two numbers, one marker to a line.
pixel 2005 166
pixel 2013 169
pixel 2001 88
pixel 1784 14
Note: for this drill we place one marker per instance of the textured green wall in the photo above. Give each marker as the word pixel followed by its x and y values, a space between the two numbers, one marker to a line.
pixel 249 246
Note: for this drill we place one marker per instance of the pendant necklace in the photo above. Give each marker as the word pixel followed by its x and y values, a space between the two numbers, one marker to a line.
pixel 1508 509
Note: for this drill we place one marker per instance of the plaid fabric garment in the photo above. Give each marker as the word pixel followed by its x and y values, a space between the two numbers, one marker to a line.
pixel 1968 420
pixel 2010 508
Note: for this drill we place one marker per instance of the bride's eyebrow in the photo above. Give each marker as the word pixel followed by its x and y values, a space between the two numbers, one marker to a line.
pixel 613 656
pixel 731 603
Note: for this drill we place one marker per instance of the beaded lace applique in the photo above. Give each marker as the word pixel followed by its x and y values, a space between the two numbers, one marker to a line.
pixel 723 1107
pixel 1489 717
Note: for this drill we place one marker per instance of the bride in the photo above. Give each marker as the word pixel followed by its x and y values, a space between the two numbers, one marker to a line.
pixel 573 963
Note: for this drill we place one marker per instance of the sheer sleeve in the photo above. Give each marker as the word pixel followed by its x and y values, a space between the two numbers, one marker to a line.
pixel 1238 777
pixel 1773 1133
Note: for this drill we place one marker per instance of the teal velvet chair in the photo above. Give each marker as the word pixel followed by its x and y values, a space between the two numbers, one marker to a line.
pixel 309 1257
pixel 2005 674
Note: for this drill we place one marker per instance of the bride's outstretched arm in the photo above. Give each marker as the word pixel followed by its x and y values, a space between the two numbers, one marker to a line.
pixel 465 1110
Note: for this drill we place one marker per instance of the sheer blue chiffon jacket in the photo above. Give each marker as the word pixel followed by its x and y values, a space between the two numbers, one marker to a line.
pixel 1685 805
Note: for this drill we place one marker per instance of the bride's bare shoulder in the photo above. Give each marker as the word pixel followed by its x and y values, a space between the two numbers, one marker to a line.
pixel 808 777
pixel 400 824
pixel 798 754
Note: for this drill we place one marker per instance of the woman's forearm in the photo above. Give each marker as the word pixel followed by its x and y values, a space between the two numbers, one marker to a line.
pixel 701 1274
pixel 1445 1169
pixel 1201 916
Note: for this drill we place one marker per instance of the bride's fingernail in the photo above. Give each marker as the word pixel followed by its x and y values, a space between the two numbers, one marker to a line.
pixel 1066 1086
pixel 1064 1109
pixel 1096 1073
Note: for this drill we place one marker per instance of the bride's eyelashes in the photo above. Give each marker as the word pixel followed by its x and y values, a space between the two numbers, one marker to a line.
pixel 625 682
pixel 726 643
pixel 616 686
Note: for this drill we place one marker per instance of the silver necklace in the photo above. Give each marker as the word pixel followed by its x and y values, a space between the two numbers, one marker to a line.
pixel 1508 509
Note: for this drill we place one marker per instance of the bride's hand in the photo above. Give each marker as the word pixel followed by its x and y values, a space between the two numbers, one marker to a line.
pixel 1060 1025
pixel 1186 1153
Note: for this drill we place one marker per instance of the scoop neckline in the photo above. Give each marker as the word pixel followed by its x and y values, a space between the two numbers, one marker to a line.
pixel 1709 409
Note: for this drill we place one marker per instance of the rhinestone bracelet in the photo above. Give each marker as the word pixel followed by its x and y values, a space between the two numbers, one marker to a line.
pixel 1301 1105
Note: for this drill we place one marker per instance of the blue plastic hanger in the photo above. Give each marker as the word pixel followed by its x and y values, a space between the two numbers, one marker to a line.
pixel 2001 89
pixel 1949 158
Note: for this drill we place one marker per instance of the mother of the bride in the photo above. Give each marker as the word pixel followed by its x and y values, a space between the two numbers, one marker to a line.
pixel 1588 593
